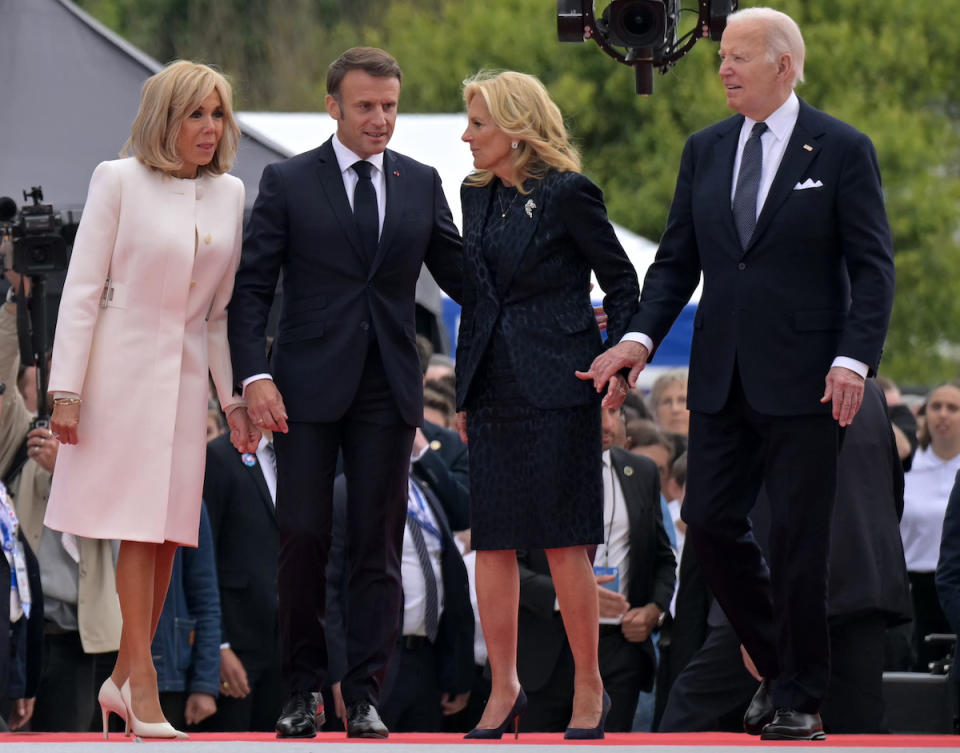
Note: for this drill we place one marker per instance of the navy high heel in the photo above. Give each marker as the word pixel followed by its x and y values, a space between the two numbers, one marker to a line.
pixel 495 733
pixel 592 733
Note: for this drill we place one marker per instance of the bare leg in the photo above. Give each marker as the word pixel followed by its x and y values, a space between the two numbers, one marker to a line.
pixel 140 565
pixel 577 594
pixel 498 599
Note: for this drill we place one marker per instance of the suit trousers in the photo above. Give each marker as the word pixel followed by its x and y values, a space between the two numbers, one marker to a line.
pixel 67 692
pixel 780 614
pixel 375 444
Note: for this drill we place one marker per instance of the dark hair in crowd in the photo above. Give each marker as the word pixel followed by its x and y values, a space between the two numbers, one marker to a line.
pixel 371 60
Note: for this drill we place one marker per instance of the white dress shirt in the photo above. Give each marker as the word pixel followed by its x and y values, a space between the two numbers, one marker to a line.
pixel 780 125
pixel 615 549
pixel 268 466
pixel 927 487
pixel 411 574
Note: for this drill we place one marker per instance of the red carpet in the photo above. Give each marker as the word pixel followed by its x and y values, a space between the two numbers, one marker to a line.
pixel 613 739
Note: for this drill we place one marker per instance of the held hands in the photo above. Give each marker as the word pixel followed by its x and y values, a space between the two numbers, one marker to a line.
pixel 265 406
pixel 233 676
pixel 845 388
pixel 616 392
pixel 244 436
pixel 626 354
pixel 64 422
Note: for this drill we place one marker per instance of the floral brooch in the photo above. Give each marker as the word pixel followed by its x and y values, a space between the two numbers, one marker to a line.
pixel 529 207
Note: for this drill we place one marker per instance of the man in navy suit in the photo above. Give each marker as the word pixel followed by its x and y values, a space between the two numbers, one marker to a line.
pixel 350 225
pixel 780 208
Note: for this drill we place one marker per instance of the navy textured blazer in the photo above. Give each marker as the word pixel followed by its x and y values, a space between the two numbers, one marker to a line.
pixel 302 223
pixel 541 294
pixel 815 282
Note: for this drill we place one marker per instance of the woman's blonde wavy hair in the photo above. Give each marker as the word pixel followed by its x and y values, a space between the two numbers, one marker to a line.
pixel 166 100
pixel 521 107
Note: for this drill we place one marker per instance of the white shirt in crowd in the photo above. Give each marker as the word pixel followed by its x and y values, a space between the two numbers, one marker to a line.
pixel 615 550
pixel 414 586
pixel 927 487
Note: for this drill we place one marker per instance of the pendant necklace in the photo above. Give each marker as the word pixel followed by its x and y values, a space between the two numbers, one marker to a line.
pixel 505 209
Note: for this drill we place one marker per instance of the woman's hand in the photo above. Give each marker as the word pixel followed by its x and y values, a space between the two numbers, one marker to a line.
pixel 461 423
pixel 244 436
pixel 616 392
pixel 64 422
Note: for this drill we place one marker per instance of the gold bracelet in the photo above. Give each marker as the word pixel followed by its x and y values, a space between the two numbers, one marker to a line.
pixel 67 401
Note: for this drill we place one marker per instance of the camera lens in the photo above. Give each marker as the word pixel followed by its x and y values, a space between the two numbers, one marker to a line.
pixel 639 21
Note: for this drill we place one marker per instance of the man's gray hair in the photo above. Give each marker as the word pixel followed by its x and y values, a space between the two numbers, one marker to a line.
pixel 783 36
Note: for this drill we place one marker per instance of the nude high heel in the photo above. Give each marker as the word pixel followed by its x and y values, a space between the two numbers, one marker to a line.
pixel 111 702
pixel 147 729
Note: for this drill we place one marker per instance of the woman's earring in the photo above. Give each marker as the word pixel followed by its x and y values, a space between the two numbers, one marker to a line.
pixel 514 144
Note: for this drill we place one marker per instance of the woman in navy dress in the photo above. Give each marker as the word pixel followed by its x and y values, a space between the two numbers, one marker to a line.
pixel 534 227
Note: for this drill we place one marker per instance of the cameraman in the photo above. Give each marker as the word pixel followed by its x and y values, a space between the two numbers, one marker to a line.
pixel 81 610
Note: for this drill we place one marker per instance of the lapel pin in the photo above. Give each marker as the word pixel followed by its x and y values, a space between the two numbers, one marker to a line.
pixel 628 470
pixel 397 173
pixel 808 147
pixel 249 459
pixel 435 445
pixel 529 207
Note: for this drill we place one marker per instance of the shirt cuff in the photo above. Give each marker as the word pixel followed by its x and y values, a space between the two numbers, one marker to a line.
pixel 254 378
pixel 853 364
pixel 638 337
pixel 415 456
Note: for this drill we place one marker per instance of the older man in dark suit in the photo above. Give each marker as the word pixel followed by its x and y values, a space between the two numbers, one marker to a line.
pixel 350 225
pixel 780 208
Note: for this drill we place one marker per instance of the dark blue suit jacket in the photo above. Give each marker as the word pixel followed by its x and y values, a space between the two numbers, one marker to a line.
pixel 333 300
pixel 541 294
pixel 948 567
pixel 815 282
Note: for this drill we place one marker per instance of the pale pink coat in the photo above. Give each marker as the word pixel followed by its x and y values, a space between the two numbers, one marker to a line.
pixel 170 248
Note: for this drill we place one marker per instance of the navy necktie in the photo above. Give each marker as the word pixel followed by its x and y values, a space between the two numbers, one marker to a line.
pixel 431 612
pixel 748 183
pixel 365 210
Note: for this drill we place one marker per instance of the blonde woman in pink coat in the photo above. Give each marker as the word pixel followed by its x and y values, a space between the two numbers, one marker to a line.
pixel 142 322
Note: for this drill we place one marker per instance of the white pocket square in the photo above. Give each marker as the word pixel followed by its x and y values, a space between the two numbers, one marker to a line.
pixel 808 183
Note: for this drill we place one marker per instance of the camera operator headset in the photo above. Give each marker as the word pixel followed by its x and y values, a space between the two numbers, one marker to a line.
pixel 77 574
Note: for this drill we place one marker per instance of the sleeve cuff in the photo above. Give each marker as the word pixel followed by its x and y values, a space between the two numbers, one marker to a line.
pixel 254 378
pixel 639 337
pixel 858 367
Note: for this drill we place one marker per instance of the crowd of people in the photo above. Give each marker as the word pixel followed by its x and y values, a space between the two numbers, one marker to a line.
pixel 518 539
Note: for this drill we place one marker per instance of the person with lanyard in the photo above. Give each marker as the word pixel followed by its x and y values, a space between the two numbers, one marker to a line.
pixel 634 568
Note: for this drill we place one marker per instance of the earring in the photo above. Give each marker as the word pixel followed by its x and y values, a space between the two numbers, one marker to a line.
pixel 514 144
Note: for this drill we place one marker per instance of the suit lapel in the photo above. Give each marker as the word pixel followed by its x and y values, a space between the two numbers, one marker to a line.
pixel 627 474
pixel 519 230
pixel 332 182
pixel 800 152
pixel 396 204
pixel 257 475
pixel 476 202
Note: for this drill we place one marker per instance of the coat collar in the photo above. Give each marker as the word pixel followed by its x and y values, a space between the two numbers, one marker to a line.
pixel 519 230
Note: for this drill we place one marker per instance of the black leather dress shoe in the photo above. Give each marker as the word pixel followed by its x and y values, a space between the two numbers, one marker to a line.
pixel 364 721
pixel 760 711
pixel 299 715
pixel 790 724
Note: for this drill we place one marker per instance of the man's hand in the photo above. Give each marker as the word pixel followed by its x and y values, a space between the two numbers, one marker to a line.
pixel 612 603
pixel 420 442
pixel 454 705
pixel 639 623
pixel 65 421
pixel 626 354
pixel 199 707
pixel 20 713
pixel 845 389
pixel 233 676
pixel 265 405
pixel 616 392
pixel 244 436
pixel 339 707
pixel 461 423
pixel 42 447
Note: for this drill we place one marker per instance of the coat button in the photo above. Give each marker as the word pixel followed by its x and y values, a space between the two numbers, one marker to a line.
pixel 741 266
pixel 193 284
pixel 207 239
pixel 364 326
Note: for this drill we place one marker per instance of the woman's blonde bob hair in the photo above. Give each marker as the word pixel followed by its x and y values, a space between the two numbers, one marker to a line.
pixel 521 107
pixel 166 100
